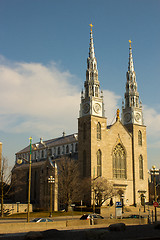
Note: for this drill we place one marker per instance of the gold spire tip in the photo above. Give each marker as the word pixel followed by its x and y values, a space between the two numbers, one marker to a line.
pixel 91 26
pixel 130 43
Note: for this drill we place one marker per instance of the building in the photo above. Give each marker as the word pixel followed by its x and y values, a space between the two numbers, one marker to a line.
pixel 45 156
pixel 117 152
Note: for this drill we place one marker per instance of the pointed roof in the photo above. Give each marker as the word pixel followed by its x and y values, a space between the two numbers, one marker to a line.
pixel 130 63
pixel 91 48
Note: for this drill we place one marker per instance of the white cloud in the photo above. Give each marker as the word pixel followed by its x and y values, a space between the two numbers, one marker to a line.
pixel 111 105
pixel 152 121
pixel 42 100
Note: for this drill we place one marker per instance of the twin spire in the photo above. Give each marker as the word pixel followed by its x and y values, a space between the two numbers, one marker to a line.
pixel 92 100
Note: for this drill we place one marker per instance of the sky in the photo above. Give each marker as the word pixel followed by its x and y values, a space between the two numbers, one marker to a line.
pixel 44 46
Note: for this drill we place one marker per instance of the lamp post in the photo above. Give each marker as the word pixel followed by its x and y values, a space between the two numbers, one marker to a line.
pixel 51 180
pixel 155 172
pixel 20 161
pixel 29 179
pixel 122 199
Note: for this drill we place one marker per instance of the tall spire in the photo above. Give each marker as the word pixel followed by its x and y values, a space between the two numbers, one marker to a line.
pixel 91 100
pixel 130 63
pixel 91 84
pixel 132 111
pixel 91 49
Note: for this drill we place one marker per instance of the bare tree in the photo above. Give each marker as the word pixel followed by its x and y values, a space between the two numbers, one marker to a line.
pixel 103 190
pixel 5 180
pixel 69 182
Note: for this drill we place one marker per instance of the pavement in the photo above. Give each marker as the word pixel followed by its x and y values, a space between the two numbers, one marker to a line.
pixel 140 232
pixel 97 232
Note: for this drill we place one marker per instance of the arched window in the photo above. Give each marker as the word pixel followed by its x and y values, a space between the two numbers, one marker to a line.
pixel 96 91
pixel 42 154
pixel 58 150
pixel 98 131
pixel 67 149
pixel 84 131
pixel 72 149
pixel 140 167
pixel 119 162
pixel 99 163
pixel 76 147
pixel 84 164
pixel 139 138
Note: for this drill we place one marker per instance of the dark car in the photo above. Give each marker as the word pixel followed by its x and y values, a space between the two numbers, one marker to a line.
pixel 41 220
pixel 134 216
pixel 91 216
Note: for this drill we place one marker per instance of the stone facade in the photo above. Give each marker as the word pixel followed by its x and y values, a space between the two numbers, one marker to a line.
pixel 118 152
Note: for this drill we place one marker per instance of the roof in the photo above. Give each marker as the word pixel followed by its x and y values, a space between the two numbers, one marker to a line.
pixel 52 143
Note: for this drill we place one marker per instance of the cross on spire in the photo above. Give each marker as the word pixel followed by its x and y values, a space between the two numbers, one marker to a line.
pixel 91 26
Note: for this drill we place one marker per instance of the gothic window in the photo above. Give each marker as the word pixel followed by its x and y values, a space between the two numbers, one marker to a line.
pixel 84 163
pixel 35 184
pixel 67 149
pixel 58 150
pixel 63 151
pixel 99 163
pixel 42 154
pixel 84 131
pixel 87 91
pixel 96 91
pixel 139 138
pixel 99 131
pixel 140 167
pixel 72 147
pixel 76 147
pixel 119 162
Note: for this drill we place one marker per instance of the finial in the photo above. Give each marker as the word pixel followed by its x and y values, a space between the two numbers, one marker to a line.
pixel 118 111
pixel 63 134
pixel 130 43
pixel 91 26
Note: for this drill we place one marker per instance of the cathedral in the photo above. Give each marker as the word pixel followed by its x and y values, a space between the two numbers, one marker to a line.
pixel 116 152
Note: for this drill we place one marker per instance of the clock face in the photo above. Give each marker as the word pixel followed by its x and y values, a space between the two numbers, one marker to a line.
pixel 86 108
pixel 97 107
pixel 137 117
pixel 127 117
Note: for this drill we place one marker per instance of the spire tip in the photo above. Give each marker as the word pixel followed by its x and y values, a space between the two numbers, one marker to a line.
pixel 91 26
pixel 130 43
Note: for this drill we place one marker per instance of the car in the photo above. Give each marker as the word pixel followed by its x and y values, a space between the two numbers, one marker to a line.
pixel 91 216
pixel 41 220
pixel 134 216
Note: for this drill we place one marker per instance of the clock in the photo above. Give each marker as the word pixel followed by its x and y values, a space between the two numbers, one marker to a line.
pixel 127 117
pixel 137 117
pixel 86 108
pixel 97 107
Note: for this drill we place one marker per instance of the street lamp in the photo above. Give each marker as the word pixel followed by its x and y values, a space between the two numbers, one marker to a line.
pixel 122 200
pixel 20 161
pixel 51 180
pixel 155 172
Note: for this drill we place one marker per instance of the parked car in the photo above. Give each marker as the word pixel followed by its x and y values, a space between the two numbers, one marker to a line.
pixel 134 216
pixel 91 216
pixel 41 220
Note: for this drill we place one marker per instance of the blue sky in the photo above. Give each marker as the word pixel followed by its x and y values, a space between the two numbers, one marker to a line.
pixel 44 47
